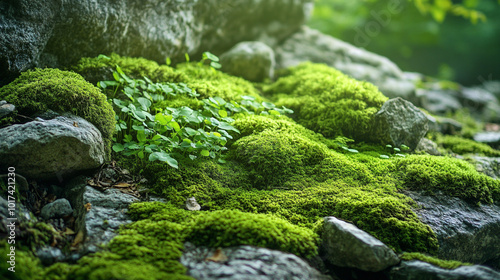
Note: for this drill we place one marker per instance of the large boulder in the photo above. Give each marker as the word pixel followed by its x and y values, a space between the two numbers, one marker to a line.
pixel 54 33
pixel 400 122
pixel 245 263
pixel 345 245
pixel 50 149
pixel 253 61
pixel 465 232
pixel 417 270
pixel 311 45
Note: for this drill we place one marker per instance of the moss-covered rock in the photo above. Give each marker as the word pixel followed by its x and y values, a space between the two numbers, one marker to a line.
pixel 447 264
pixel 95 69
pixel 39 90
pixel 451 176
pixel 464 146
pixel 327 101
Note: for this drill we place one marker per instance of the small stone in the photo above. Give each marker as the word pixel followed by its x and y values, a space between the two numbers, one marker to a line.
pixel 346 245
pixel 49 255
pixel 192 205
pixel 6 109
pixel 426 145
pixel 57 209
pixel 253 61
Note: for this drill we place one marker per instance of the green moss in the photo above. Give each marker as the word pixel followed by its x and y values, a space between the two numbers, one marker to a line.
pixel 40 90
pixel 26 265
pixel 464 146
pixel 95 69
pixel 446 264
pixel 227 228
pixel 327 101
pixel 210 83
pixel 449 175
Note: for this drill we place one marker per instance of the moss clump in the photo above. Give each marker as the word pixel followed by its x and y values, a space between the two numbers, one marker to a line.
pixel 26 265
pixel 450 175
pixel 40 90
pixel 446 264
pixel 327 101
pixel 96 69
pixel 464 146
pixel 227 228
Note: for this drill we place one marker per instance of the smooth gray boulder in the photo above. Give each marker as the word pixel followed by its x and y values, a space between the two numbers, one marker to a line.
pixel 345 245
pixel 465 232
pixel 487 165
pixel 399 122
pixel 6 109
pixel 246 263
pixel 438 101
pixel 253 61
pixel 50 149
pixel 311 45
pixel 57 33
pixel 491 138
pixel 57 209
pixel 417 270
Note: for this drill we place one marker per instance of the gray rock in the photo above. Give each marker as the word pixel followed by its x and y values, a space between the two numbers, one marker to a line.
pixel 52 149
pixel 417 270
pixel 54 33
pixel 311 45
pixel 399 122
pixel 465 232
pixel 246 263
pixel 107 211
pixel 482 104
pixel 49 255
pixel 491 138
pixel 192 205
pixel 493 87
pixel 6 109
pixel 20 213
pixel 253 61
pixel 345 245
pixel 447 126
pixel 438 101
pixel 57 209
pixel 487 165
pixel 428 146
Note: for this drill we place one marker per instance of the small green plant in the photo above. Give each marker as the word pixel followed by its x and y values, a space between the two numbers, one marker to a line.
pixel 395 151
pixel 152 133
pixel 211 59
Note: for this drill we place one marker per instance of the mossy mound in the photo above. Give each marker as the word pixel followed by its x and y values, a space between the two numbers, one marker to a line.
pixel 446 264
pixel 96 69
pixel 39 90
pixel 327 101
pixel 451 176
pixel 464 146
pixel 26 265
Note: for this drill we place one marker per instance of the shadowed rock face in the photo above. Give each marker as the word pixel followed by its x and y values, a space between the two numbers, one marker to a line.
pixel 465 232
pixel 57 33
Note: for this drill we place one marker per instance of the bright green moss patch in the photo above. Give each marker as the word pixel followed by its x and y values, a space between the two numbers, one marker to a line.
pixel 327 101
pixel 26 265
pixel 40 90
pixel 94 69
pixel 463 146
pixel 451 176
pixel 446 264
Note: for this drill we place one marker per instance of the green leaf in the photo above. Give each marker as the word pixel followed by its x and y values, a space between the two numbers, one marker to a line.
pixel 118 147
pixel 353 151
pixel 274 112
pixel 222 113
pixel 388 146
pixel 141 136
pixel 163 119
pixel 268 105
pixel 205 153
pixel 175 125
pixel 140 154
pixel 215 65
pixel 165 157
pixel 397 149
pixel 210 56
pixel 186 55
pixel 145 103
pixel 168 61
pixel 384 156
pixel 190 131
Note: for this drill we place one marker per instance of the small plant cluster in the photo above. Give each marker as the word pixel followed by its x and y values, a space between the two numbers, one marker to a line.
pixel 154 133
pixel 395 151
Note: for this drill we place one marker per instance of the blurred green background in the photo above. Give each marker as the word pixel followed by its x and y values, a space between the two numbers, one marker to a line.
pixel 436 40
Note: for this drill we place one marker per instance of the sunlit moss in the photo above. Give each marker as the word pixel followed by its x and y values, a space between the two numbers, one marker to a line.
pixel 446 264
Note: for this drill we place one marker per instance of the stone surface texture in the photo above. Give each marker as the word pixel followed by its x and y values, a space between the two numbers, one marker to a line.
pixel 253 61
pixel 50 149
pixel 345 245
pixel 417 270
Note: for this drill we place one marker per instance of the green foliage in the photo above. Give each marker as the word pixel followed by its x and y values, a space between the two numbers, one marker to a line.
pixel 450 175
pixel 398 152
pixel 148 130
pixel 27 266
pixel 446 264
pixel 464 146
pixel 327 101
pixel 39 90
